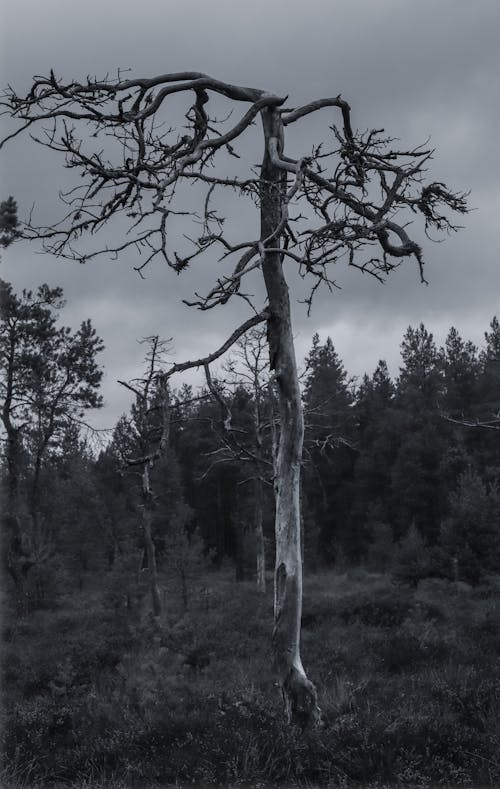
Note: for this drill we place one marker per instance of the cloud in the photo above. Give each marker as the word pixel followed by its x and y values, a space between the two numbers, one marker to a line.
pixel 415 68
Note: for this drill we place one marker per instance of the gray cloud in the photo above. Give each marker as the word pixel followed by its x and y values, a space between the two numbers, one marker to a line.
pixel 415 67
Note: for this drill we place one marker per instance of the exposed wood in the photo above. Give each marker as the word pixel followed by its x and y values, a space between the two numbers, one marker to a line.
pixel 299 694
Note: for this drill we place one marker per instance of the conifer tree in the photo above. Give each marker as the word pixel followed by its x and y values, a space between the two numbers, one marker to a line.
pixel 49 379
pixel 470 536
pixel 379 435
pixel 8 221
pixel 416 494
pixel 328 442
pixel 421 376
pixel 461 371
pixel 490 381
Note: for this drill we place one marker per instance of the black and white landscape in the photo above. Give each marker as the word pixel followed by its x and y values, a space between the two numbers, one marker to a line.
pixel 250 365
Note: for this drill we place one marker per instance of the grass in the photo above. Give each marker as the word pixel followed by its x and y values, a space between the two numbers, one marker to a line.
pixel 97 696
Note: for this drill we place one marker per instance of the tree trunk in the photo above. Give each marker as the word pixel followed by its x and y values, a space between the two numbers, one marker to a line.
pixel 11 527
pixel 149 544
pixel 16 548
pixel 260 548
pixel 259 537
pixel 299 694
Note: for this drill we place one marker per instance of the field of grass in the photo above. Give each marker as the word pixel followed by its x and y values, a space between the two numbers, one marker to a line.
pixel 408 677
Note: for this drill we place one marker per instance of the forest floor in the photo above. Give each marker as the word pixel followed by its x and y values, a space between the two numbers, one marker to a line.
pixel 96 694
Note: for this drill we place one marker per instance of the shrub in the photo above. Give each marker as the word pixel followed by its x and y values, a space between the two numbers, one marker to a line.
pixel 470 535
pixel 413 559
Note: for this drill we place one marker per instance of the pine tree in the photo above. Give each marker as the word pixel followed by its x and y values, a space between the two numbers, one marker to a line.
pixel 490 379
pixel 329 454
pixel 379 426
pixel 461 371
pixel 421 376
pixel 49 378
pixel 416 494
pixel 8 221
pixel 470 536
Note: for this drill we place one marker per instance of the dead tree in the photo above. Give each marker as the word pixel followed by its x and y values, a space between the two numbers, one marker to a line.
pixel 254 368
pixel 348 198
pixel 249 367
pixel 152 438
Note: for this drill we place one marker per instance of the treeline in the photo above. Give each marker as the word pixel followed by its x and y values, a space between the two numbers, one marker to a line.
pixel 398 474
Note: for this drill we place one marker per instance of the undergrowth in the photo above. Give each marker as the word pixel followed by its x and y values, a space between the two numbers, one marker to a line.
pixel 99 695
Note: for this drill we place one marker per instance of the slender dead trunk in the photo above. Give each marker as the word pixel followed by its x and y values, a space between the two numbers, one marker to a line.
pixel 148 459
pixel 299 694
pixel 260 548
pixel 259 536
pixel 148 541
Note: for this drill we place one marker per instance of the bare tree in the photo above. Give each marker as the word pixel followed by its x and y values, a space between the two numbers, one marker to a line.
pixel 251 366
pixel 317 208
pixel 247 367
pixel 151 400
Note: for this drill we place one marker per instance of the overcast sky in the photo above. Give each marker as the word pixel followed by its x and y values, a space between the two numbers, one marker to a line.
pixel 418 68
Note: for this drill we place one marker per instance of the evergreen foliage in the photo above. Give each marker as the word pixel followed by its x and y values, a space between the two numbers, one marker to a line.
pixel 470 535
pixel 400 510
pixel 8 221
pixel 329 451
